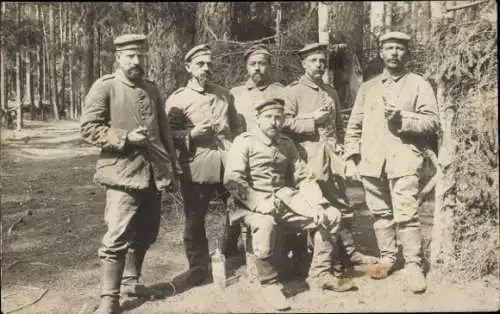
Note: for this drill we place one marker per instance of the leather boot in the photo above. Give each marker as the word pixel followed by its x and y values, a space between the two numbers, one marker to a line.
pixel 347 238
pixel 386 240
pixel 411 241
pixel 111 274
pixel 130 285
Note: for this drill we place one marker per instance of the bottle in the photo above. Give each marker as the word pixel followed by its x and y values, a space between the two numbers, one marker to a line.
pixel 219 268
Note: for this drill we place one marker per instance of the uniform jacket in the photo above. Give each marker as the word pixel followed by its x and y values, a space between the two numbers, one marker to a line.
pixel 202 159
pixel 115 106
pixel 248 95
pixel 369 134
pixel 257 167
pixel 316 142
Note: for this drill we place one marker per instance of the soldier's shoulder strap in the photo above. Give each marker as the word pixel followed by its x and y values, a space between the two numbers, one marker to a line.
pixel 107 77
pixel 294 83
pixel 177 91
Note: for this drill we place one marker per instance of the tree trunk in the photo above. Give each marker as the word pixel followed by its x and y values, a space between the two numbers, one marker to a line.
pixel 70 67
pixel 346 27
pixel 165 68
pixel 425 21
pixel 324 35
pixel 213 21
pixel 3 68
pixel 97 52
pixel 39 66
pixel 87 70
pixel 377 18
pixel 62 45
pixel 19 53
pixel 442 232
pixel 52 63
pixel 415 8
pixel 29 84
pixel 388 11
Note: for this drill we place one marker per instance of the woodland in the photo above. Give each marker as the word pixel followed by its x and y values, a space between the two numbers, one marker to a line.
pixel 52 52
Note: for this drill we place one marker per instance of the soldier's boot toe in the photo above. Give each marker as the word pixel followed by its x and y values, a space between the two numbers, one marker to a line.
pixel 138 290
pixel 108 305
pixel 329 282
pixel 273 295
pixel 382 269
pixel 358 258
pixel 415 279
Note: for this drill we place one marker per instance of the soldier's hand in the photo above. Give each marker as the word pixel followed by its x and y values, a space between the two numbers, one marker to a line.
pixel 201 129
pixel 268 206
pixel 138 136
pixel 351 171
pixel 321 115
pixel 319 217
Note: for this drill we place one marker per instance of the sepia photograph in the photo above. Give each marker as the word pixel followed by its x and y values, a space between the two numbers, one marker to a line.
pixel 249 157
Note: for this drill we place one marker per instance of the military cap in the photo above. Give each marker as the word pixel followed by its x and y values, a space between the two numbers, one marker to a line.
pixel 273 103
pixel 310 48
pixel 258 48
pixel 394 35
pixel 203 49
pixel 130 41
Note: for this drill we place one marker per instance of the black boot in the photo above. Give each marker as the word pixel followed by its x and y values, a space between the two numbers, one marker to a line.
pixel 130 282
pixel 111 275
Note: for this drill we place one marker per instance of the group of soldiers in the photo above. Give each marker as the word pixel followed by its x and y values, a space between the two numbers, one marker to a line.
pixel 279 152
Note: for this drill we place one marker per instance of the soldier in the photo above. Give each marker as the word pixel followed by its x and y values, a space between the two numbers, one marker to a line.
pixel 384 143
pixel 124 115
pixel 314 122
pixel 257 88
pixel 261 163
pixel 203 122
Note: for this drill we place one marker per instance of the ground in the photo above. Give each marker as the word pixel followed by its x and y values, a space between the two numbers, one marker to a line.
pixel 46 179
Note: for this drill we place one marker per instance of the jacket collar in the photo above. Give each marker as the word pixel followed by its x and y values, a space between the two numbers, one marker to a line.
pixel 262 137
pixel 306 80
pixel 386 75
pixel 121 76
pixel 250 84
pixel 194 85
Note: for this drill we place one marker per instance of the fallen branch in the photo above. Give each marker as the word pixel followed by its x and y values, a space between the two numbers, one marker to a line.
pixel 18 221
pixel 29 304
pixel 467 5
pixel 13 264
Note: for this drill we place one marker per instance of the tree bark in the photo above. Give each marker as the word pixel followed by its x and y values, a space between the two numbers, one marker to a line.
pixel 346 27
pixel 442 232
pixel 29 84
pixel 388 11
pixel 425 21
pixel 19 53
pixel 415 8
pixel 87 71
pixel 39 66
pixel 213 21
pixel 324 35
pixel 52 63
pixel 377 18
pixel 165 68
pixel 63 52
pixel 70 66
pixel 3 68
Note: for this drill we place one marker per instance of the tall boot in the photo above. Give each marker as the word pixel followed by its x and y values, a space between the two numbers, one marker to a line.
pixel 111 275
pixel 411 241
pixel 386 240
pixel 347 241
pixel 130 282
pixel 320 274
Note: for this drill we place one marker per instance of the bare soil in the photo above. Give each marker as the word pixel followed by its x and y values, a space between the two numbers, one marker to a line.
pixel 47 170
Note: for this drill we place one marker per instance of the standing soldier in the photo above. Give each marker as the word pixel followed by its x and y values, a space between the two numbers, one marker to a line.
pixel 314 122
pixel 125 116
pixel 385 139
pixel 203 122
pixel 262 167
pixel 257 88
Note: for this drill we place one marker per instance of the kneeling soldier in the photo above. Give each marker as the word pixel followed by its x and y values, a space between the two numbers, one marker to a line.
pixel 262 166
